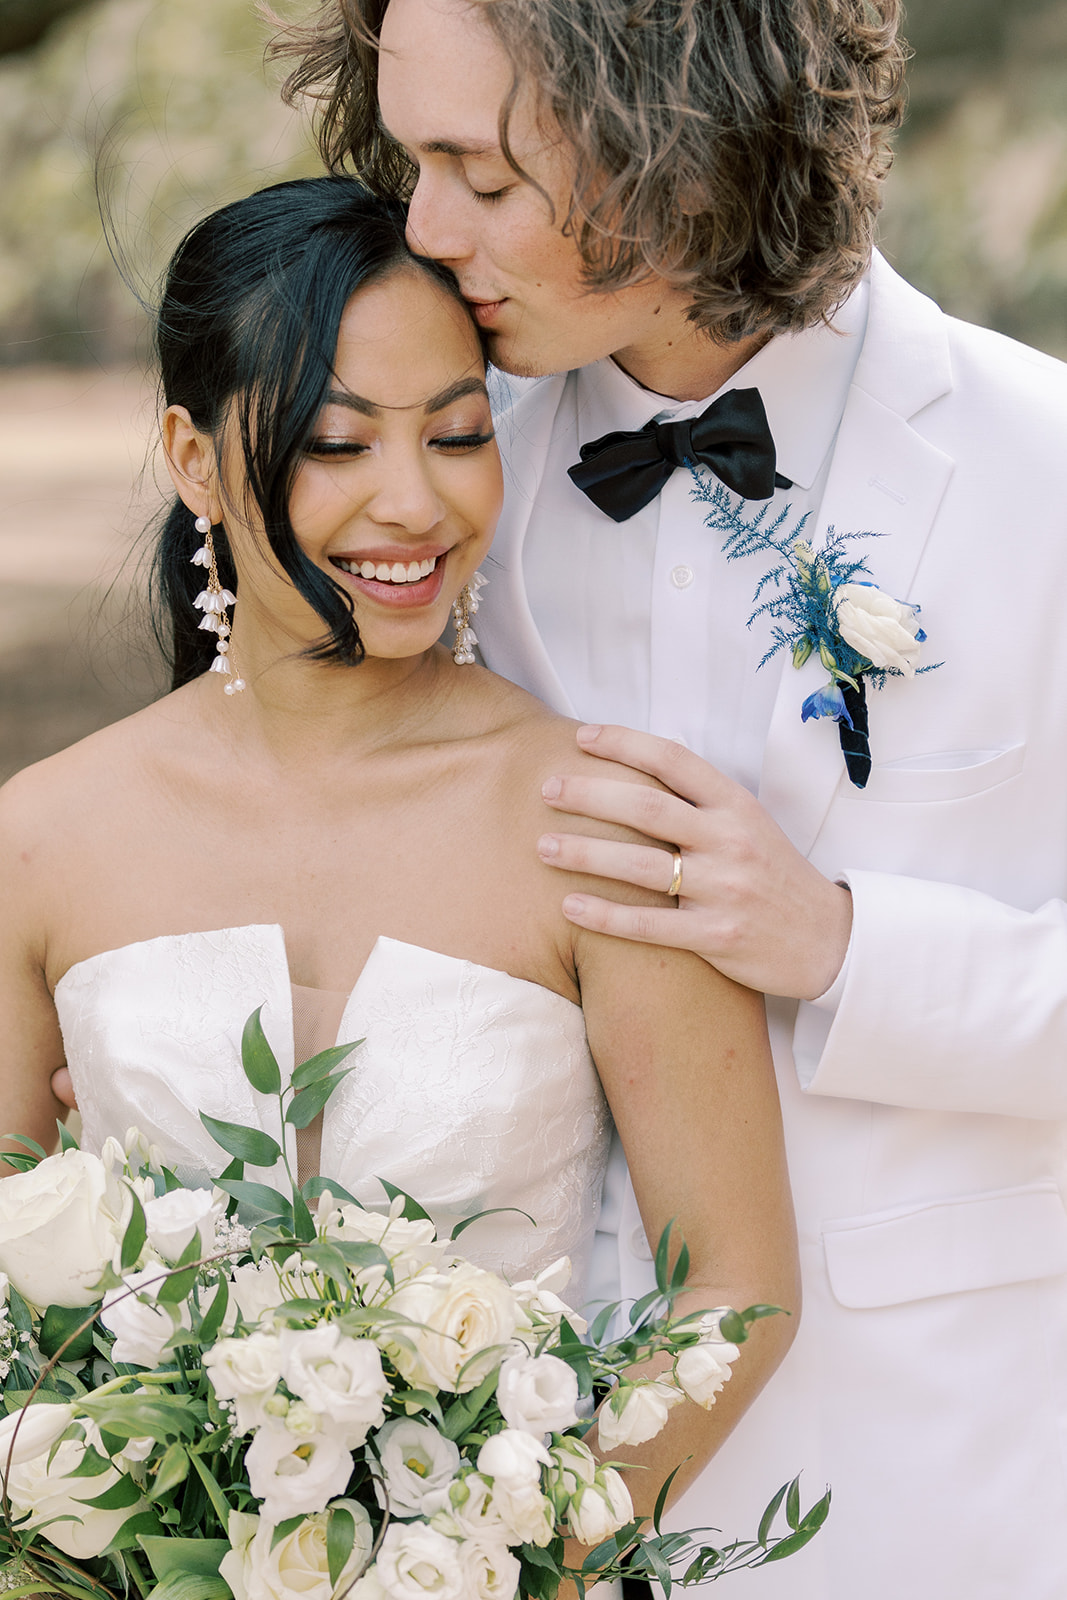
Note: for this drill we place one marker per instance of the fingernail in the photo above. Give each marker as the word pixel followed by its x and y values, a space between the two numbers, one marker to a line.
pixel 588 732
pixel 573 905
pixel 551 789
pixel 548 846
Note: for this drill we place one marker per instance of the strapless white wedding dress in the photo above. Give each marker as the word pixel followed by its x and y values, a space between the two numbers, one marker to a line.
pixel 473 1089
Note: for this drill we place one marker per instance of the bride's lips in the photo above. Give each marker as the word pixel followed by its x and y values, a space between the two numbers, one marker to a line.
pixel 421 591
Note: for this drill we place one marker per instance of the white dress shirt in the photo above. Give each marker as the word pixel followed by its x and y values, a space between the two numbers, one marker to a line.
pixel 645 620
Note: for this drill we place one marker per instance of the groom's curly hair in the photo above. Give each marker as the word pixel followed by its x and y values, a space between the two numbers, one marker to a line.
pixel 734 148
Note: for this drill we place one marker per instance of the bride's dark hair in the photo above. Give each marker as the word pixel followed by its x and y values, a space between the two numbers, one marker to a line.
pixel 246 334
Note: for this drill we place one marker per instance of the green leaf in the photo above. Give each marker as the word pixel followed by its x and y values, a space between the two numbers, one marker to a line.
pixel 818 1514
pixel 27 1144
pixel 214 1493
pixel 185 1587
pixel 171 1181
pixel 177 1558
pixel 120 1495
pixel 127 1535
pixel 732 1328
pixel 259 1062
pixel 661 1498
pixel 92 1464
pixel 792 1504
pixel 173 1469
pixel 320 1066
pixel 461 1414
pixel 766 1521
pixel 788 1546
pixel 212 1320
pixel 258 1195
pixel 303 1221
pixel 681 1268
pixel 663 1250
pixel 310 1101
pixel 174 1289
pixel 67 1140
pixel 318 1185
pixel 134 1237
pixel 57 1326
pixel 493 1211
pixel 602 1322
pixel 163 1416
pixel 575 1353
pixel 284 1529
pixel 18 1161
pixel 247 1144
pixel 18 1310
pixel 340 1538
pixel 412 1211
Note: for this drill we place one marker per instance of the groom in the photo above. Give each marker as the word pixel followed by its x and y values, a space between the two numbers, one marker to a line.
pixel 655 202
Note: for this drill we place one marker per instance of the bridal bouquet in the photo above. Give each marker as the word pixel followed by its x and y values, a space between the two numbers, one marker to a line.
pixel 204 1404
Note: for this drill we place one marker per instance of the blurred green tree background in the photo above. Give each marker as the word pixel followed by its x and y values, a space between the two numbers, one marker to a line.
pixel 169 101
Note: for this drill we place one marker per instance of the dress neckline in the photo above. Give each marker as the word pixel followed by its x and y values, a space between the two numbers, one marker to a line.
pixel 271 929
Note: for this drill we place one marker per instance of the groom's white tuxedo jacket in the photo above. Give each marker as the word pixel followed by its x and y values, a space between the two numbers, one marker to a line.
pixel 926 1114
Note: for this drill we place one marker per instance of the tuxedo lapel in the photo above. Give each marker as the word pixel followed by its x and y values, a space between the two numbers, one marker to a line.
pixel 886 479
pixel 506 631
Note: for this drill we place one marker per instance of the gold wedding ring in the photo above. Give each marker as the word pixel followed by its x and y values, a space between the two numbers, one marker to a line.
pixel 676 876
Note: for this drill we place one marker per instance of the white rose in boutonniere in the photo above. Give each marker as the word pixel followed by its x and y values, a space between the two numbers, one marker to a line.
pixel 884 630
pixel 61 1224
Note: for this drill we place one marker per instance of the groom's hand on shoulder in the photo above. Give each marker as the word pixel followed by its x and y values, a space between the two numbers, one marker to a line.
pixel 749 902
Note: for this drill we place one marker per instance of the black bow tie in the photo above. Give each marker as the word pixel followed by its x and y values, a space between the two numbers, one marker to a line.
pixel 622 471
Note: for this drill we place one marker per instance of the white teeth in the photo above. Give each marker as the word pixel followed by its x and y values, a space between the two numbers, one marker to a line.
pixel 398 573
pixel 426 567
pixel 383 572
pixel 413 572
pixel 366 569
pixel 386 572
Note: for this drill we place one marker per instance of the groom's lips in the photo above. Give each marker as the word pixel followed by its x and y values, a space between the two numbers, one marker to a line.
pixel 485 312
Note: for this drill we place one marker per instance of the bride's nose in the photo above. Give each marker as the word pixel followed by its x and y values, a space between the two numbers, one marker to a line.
pixel 404 494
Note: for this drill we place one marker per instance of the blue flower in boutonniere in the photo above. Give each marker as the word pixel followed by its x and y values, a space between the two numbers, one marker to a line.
pixel 822 602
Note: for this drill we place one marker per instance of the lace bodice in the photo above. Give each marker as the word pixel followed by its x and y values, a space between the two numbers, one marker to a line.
pixel 472 1090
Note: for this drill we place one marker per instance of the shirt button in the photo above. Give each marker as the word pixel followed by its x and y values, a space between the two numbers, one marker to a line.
pixel 682 577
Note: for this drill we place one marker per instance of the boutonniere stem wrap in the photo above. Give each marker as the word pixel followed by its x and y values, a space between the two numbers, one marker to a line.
pixel 822 603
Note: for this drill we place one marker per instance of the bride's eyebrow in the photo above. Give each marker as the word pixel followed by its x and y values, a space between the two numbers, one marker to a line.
pixel 367 408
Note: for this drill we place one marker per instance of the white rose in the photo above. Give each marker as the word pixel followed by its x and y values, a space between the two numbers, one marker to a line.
pixel 884 630
pixel 600 1509
pixel 34 1429
pixel 635 1412
pixel 256 1568
pixel 512 1461
pixel 415 1561
pixel 338 1376
pixel 537 1394
pixel 174 1218
pixel 45 1489
pixel 141 1327
pixel 462 1313
pixel 704 1368
pixel 490 1571
pixel 247 1371
pixel 61 1224
pixel 296 1475
pixel 418 1465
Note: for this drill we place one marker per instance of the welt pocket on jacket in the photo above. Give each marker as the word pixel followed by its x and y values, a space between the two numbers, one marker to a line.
pixel 978 1241
pixel 946 775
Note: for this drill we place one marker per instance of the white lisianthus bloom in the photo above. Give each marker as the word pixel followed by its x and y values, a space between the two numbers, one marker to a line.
pixel 512 1462
pixel 540 1299
pixel 490 1571
pixel 337 1376
pixel 415 1561
pixel 247 1371
pixel 635 1412
pixel 470 1513
pixel 173 1219
pixel 141 1326
pixel 295 1475
pixel 418 1465
pixel 884 630
pixel 257 1568
pixel 256 1289
pixel 411 1246
pixel 601 1508
pixel 44 1487
pixel 61 1224
pixel 34 1430
pixel 703 1369
pixel 461 1314
pixel 537 1394
pixel 573 1463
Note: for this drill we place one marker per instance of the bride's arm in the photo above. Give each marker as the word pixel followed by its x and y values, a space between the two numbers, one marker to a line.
pixel 685 1063
pixel 31 1046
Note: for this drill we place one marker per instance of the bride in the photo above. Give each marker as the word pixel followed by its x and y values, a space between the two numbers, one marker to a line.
pixel 334 816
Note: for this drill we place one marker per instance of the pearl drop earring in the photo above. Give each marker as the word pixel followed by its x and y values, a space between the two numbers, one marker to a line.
pixel 463 608
pixel 213 602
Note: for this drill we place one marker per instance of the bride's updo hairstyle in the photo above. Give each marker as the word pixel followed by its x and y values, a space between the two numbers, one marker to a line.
pixel 246 334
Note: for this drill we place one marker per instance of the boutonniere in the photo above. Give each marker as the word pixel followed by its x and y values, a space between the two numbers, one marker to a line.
pixel 822 602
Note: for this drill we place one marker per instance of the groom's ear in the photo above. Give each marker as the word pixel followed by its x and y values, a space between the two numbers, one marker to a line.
pixel 192 463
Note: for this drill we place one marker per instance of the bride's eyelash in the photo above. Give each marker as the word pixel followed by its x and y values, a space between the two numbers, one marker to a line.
pixel 333 447
pixel 463 441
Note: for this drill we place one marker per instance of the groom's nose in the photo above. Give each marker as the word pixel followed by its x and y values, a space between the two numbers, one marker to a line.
pixel 433 226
